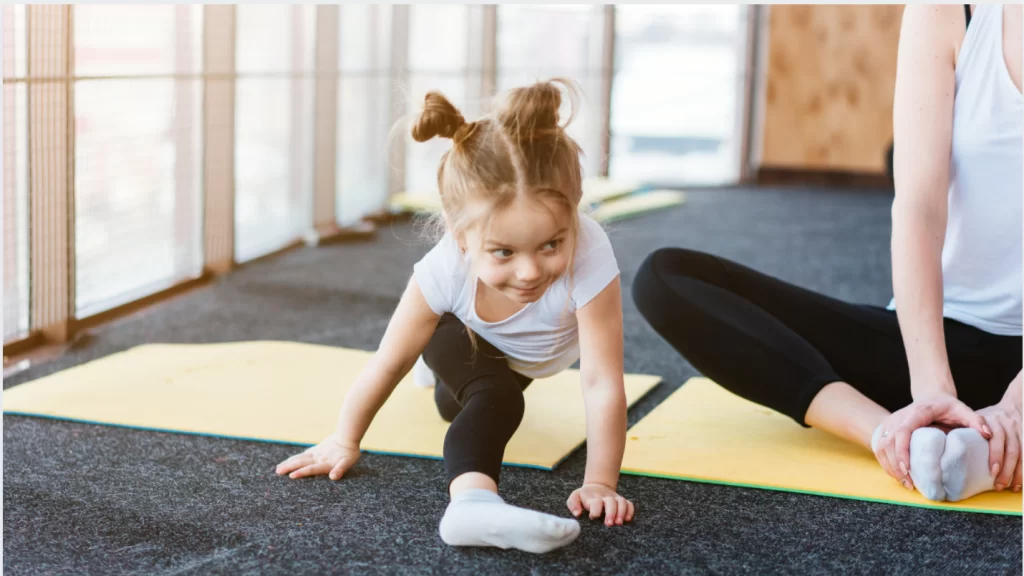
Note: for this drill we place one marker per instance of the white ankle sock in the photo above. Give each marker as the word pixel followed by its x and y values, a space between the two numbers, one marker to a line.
pixel 965 470
pixel 481 518
pixel 926 447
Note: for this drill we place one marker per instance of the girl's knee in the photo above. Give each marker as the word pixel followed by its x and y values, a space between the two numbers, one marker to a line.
pixel 447 407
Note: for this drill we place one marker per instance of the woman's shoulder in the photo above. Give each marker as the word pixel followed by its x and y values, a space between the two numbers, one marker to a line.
pixel 939 26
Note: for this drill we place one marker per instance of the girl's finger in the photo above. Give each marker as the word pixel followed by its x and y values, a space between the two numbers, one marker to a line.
pixel 596 507
pixel 340 468
pixel 293 463
pixel 632 510
pixel 620 509
pixel 311 470
pixel 575 504
pixel 609 510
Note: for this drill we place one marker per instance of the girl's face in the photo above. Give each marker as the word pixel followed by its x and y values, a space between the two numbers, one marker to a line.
pixel 525 248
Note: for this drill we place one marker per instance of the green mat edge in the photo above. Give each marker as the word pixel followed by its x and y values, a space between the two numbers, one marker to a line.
pixel 632 472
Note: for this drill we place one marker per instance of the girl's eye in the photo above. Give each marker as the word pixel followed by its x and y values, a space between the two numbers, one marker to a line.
pixel 552 245
pixel 502 253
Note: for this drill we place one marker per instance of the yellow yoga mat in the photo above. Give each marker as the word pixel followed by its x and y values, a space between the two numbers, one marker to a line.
pixel 704 433
pixel 286 392
pixel 636 204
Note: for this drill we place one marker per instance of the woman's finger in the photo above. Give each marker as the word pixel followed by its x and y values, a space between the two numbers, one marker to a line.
pixel 901 452
pixel 971 419
pixel 1010 457
pixel 997 451
pixel 889 451
pixel 883 458
pixel 1017 475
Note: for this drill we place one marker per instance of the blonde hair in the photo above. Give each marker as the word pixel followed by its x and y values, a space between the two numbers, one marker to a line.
pixel 519 149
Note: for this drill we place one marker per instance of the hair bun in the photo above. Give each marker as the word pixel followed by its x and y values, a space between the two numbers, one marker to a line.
pixel 439 118
pixel 532 112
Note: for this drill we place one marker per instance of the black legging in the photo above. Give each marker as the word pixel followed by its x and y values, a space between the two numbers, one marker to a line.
pixel 778 344
pixel 478 393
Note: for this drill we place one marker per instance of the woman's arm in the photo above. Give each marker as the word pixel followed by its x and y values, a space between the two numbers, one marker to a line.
pixel 922 125
pixel 604 394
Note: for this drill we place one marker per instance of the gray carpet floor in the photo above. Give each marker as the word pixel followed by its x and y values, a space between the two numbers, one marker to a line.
pixel 86 499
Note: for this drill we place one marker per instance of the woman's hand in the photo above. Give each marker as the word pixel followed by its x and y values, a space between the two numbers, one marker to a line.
pixel 332 456
pixel 1004 448
pixel 598 498
pixel 893 447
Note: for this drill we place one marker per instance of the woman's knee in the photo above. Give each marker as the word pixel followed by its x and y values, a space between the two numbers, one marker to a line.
pixel 651 291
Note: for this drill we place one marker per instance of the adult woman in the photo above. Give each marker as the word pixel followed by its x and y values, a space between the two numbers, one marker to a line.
pixel 952 357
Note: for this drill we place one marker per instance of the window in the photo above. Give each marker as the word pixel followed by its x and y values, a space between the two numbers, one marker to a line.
pixel 273 126
pixel 676 93
pixel 138 151
pixel 539 42
pixel 364 110
pixel 439 57
pixel 15 143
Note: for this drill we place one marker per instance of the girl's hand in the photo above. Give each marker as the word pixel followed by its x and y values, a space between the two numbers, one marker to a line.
pixel 1004 448
pixel 893 448
pixel 332 456
pixel 598 498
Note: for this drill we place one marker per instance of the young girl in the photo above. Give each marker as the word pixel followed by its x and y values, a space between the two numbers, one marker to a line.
pixel 520 286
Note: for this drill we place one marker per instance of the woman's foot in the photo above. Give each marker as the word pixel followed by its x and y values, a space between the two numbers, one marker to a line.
pixel 926 448
pixel 965 470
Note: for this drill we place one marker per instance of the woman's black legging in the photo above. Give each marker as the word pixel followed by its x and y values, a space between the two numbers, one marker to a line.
pixel 778 344
pixel 478 393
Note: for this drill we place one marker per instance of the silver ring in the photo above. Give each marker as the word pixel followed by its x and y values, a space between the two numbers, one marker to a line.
pixel 885 433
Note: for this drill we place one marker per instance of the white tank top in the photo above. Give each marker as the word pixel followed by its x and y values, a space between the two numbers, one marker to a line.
pixel 982 256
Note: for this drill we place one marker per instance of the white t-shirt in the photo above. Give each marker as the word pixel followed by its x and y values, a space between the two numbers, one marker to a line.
pixel 542 338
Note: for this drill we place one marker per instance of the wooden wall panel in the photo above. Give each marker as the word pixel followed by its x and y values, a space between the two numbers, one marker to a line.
pixel 829 87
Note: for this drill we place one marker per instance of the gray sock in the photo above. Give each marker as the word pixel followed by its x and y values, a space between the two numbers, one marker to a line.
pixel 481 518
pixel 965 470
